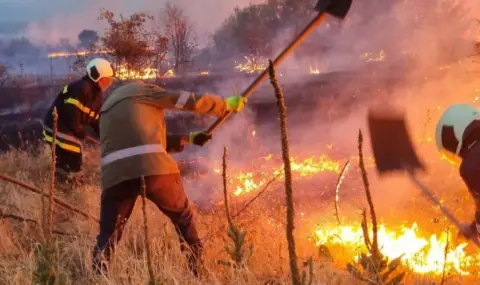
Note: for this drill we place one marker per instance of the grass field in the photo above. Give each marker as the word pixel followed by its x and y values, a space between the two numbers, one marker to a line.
pixel 398 204
pixel 76 236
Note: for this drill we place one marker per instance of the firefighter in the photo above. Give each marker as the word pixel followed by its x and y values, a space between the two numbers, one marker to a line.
pixel 458 136
pixel 135 144
pixel 77 106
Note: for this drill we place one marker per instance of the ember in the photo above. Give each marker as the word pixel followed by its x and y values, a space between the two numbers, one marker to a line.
pixel 252 65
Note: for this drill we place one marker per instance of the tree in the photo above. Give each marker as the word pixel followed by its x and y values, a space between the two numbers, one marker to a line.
pixel 4 75
pixel 20 46
pixel 252 30
pixel 180 34
pixel 88 38
pixel 294 13
pixel 132 47
pixel 249 31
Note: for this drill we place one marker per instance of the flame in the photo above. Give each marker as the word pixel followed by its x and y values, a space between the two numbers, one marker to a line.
pixel 82 53
pixel 204 73
pixel 368 57
pixel 252 65
pixel 75 53
pixel 147 73
pixel 169 73
pixel 450 158
pixel 314 70
pixel 245 182
pixel 420 253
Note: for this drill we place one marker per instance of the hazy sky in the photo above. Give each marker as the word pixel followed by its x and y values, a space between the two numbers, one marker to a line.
pixel 28 10
pixel 50 20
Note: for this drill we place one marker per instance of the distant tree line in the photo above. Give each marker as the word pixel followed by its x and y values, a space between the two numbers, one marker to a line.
pixel 140 40
pixel 254 30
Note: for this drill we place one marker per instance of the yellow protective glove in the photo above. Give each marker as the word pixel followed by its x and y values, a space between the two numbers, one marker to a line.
pixel 235 103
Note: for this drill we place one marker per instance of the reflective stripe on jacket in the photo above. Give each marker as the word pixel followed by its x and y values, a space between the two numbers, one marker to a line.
pixel 78 105
pixel 64 141
pixel 133 136
pixel 82 108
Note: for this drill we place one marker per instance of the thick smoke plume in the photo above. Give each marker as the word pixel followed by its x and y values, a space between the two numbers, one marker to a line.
pixel 422 48
pixel 427 65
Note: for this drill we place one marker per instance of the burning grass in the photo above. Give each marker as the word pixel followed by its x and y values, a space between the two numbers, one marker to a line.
pixel 418 242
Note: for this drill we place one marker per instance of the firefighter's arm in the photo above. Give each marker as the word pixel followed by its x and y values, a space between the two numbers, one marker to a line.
pixel 72 112
pixel 189 101
pixel 95 123
pixel 176 143
pixel 92 102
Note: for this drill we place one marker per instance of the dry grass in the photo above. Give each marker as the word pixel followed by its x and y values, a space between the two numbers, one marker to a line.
pixel 268 265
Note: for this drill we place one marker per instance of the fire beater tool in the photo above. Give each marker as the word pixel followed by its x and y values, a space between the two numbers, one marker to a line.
pixel 393 151
pixel 336 8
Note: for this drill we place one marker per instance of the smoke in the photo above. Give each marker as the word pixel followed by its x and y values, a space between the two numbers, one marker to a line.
pixel 427 65
pixel 67 23
pixel 426 68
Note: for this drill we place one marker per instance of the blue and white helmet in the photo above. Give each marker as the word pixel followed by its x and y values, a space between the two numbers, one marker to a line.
pixel 451 127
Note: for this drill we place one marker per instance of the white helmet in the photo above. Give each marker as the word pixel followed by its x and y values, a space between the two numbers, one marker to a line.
pixel 451 127
pixel 99 68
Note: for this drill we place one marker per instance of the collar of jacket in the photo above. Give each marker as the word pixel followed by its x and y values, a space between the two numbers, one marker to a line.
pixel 471 137
pixel 94 86
pixel 133 89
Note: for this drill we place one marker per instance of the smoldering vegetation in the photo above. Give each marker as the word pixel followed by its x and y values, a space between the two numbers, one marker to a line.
pixel 399 53
pixel 402 54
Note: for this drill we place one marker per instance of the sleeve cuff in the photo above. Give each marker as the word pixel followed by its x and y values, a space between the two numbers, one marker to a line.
pixel 174 143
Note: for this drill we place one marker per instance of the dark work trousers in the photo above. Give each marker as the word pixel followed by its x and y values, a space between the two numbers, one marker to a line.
pixel 167 192
pixel 470 172
pixel 68 161
pixel 66 164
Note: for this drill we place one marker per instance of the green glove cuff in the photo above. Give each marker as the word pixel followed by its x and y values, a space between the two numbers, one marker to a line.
pixel 235 103
pixel 191 137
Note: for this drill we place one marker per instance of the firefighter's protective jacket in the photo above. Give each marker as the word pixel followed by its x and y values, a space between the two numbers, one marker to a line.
pixel 78 105
pixel 133 136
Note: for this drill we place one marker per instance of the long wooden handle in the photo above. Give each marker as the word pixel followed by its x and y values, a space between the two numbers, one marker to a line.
pixel 437 202
pixel 92 140
pixel 286 52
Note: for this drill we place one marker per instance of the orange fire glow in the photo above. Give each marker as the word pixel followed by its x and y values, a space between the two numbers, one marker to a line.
pixel 169 73
pixel 147 73
pixel 62 54
pixel 421 253
pixel 246 182
pixel 313 70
